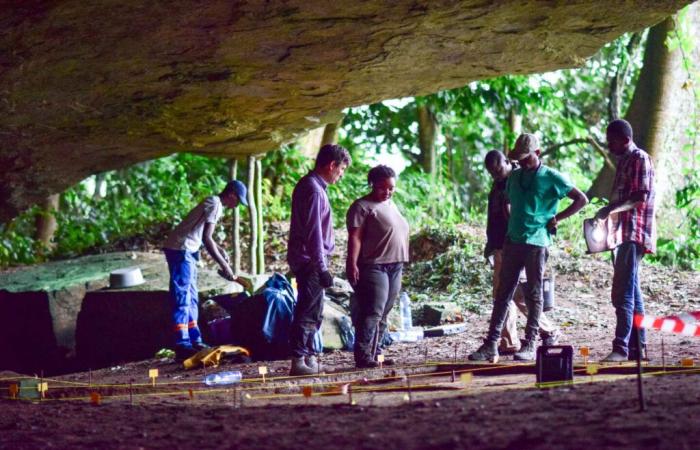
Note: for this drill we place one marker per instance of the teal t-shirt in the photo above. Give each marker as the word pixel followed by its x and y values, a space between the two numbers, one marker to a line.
pixel 534 198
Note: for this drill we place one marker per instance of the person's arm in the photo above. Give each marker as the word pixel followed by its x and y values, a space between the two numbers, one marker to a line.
pixel 634 200
pixel 218 255
pixel 579 201
pixel 223 253
pixel 214 249
pixel 354 245
pixel 314 234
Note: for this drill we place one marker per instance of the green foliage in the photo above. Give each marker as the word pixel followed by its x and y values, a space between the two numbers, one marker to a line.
pixel 457 272
pixel 137 201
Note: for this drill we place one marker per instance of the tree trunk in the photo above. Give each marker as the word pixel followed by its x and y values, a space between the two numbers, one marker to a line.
pixel 427 130
pixel 236 232
pixel 46 225
pixel 252 212
pixel 330 133
pixel 515 125
pixel 259 204
pixel 650 112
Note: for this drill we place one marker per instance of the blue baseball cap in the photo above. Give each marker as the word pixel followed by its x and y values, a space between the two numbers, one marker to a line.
pixel 240 190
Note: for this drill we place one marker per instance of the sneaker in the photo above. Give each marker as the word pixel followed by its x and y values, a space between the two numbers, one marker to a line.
pixel 526 352
pixel 183 352
pixel 614 357
pixel 299 367
pixel 551 339
pixel 312 363
pixel 487 352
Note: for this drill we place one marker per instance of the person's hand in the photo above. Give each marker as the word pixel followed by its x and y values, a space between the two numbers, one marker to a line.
pixel 487 251
pixel 326 279
pixel 602 214
pixel 247 285
pixel 226 273
pixel 353 273
pixel 552 224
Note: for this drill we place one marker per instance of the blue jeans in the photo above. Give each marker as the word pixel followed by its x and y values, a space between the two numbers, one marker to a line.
pixel 627 296
pixel 183 296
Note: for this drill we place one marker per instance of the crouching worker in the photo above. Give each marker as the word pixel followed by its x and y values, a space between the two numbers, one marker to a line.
pixel 182 253
pixel 534 192
pixel 311 242
pixel 377 250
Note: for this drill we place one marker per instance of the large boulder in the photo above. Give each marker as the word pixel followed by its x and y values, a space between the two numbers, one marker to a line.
pixel 92 86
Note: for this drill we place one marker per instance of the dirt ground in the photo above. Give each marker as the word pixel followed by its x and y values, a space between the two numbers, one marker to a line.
pixel 489 411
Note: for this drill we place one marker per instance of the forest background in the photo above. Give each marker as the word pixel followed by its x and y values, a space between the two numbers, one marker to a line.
pixel 438 143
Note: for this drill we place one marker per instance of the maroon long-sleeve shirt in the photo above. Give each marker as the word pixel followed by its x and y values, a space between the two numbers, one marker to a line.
pixel 311 238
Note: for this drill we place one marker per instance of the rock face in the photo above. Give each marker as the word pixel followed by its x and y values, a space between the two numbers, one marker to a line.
pixel 92 86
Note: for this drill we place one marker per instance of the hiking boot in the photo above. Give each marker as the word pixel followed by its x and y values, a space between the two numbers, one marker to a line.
pixel 507 349
pixel 614 357
pixel 312 363
pixel 299 367
pixel 366 364
pixel 551 339
pixel 183 352
pixel 487 352
pixel 526 352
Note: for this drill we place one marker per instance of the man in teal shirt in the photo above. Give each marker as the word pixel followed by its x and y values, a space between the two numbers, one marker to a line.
pixel 533 192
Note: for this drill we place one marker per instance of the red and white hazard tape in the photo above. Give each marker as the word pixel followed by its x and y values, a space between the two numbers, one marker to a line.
pixel 687 324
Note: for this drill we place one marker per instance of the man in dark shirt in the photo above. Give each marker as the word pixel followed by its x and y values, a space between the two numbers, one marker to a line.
pixel 311 242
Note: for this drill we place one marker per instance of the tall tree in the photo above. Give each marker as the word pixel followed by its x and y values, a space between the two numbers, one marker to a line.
pixel 46 224
pixel 427 132
pixel 651 110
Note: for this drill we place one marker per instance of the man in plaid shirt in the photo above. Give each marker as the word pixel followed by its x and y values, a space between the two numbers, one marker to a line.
pixel 633 234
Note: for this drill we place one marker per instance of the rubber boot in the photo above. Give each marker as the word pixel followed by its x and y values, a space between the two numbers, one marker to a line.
pixel 299 367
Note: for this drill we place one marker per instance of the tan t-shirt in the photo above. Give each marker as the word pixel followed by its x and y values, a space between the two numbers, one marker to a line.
pixel 188 234
pixel 384 231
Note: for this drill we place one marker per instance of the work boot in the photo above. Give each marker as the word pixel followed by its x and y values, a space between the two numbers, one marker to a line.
pixel 312 363
pixel 487 352
pixel 366 364
pixel 299 367
pixel 632 356
pixel 200 346
pixel 615 357
pixel 183 352
pixel 526 352
pixel 551 339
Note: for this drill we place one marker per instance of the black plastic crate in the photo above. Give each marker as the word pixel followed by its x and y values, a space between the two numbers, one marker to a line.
pixel 555 363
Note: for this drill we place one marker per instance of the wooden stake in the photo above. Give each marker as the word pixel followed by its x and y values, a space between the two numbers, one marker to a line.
pixel 236 235
pixel 640 388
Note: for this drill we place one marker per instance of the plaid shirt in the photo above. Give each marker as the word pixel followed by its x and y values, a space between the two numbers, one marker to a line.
pixel 635 172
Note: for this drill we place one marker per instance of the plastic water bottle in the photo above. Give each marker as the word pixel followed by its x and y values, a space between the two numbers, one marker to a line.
pixel 233 376
pixel 406 319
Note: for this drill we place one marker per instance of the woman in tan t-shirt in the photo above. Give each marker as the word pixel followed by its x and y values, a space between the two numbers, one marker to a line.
pixel 377 249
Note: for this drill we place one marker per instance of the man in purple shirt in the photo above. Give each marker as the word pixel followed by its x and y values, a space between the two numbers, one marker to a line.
pixel 310 243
